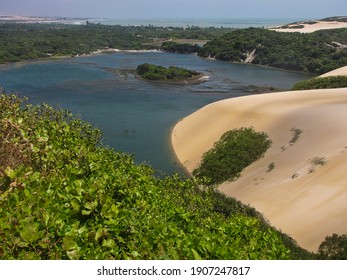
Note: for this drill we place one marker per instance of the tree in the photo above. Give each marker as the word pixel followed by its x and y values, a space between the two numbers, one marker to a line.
pixel 334 247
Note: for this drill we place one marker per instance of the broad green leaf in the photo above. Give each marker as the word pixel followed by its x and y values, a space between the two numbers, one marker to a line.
pixel 196 255
pixel 69 244
pixel 30 232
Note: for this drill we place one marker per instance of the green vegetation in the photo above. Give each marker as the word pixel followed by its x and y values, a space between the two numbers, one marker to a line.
pixel 316 162
pixel 180 48
pixel 235 150
pixel 27 41
pixel 160 73
pixel 334 247
pixel 271 167
pixel 317 52
pixel 65 196
pixel 296 132
pixel 322 82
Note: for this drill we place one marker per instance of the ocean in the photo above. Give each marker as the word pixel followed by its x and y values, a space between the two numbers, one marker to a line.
pixel 201 22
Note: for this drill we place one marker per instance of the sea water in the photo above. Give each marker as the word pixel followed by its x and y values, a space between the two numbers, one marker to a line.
pixel 137 116
pixel 201 22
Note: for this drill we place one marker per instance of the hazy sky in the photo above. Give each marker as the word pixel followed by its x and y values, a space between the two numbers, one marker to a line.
pixel 310 9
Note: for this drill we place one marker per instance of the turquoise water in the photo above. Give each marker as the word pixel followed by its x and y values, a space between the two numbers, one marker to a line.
pixel 136 116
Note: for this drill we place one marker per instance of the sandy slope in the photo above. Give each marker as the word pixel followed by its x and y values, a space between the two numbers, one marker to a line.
pixel 304 200
pixel 308 28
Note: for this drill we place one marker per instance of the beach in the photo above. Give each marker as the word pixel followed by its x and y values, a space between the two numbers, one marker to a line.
pixel 305 193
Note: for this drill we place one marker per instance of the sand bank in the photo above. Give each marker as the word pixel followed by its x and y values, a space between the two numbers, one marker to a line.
pixel 305 195
pixel 306 27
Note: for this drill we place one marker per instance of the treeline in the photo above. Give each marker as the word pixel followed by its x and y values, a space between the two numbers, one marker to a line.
pixel 184 48
pixel 27 41
pixel 317 52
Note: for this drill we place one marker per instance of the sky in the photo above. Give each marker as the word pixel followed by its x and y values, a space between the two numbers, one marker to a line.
pixel 169 9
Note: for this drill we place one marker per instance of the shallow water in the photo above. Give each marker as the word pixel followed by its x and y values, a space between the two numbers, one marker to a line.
pixel 136 116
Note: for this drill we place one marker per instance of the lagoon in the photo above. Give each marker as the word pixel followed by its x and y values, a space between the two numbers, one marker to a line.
pixel 136 116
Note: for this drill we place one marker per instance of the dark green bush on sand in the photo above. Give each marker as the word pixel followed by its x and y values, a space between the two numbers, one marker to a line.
pixel 235 150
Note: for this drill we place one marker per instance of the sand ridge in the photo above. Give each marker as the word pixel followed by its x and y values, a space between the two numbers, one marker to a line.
pixel 305 194
pixel 310 27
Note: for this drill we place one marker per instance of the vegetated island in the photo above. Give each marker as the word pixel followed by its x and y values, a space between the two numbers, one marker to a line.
pixel 171 74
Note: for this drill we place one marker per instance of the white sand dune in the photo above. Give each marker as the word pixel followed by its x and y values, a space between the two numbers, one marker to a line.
pixel 305 195
pixel 308 28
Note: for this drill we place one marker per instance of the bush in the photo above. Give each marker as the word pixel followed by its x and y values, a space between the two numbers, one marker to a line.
pixel 155 72
pixel 235 150
pixel 334 247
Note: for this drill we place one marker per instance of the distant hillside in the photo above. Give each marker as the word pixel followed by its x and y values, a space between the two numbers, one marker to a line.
pixel 317 52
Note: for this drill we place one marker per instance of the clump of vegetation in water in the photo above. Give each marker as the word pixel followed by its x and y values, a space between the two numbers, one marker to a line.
pixel 156 72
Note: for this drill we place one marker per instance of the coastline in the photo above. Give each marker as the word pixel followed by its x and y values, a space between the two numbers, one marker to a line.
pixel 298 197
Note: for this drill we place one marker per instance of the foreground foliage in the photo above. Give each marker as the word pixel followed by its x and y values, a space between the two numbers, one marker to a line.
pixel 156 72
pixel 235 150
pixel 65 196
pixel 316 52
pixel 322 82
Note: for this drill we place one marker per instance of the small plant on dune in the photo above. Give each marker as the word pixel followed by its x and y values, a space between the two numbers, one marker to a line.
pixel 315 162
pixel 296 132
pixel 271 167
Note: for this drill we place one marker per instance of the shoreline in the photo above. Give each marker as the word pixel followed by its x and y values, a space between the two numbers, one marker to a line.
pixel 58 57
pixel 300 198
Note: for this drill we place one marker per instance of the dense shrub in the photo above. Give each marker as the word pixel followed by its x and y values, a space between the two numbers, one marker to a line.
pixel 235 150
pixel 322 82
pixel 334 247
pixel 180 48
pixel 155 72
